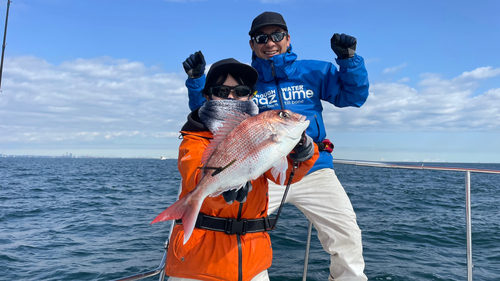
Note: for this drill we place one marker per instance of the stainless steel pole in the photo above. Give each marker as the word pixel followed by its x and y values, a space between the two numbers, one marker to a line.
pixel 468 222
pixel 308 246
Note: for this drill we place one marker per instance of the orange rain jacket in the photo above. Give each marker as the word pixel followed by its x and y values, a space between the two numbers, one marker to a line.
pixel 214 255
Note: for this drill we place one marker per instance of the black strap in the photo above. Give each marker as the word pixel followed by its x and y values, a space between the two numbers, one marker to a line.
pixel 243 226
pixel 231 225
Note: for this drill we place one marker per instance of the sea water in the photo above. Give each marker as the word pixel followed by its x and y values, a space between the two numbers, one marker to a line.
pixel 89 219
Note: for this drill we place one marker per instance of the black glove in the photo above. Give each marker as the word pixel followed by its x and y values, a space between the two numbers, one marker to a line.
pixel 239 195
pixel 304 150
pixel 343 45
pixel 194 65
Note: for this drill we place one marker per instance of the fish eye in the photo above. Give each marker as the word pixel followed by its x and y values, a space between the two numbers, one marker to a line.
pixel 284 114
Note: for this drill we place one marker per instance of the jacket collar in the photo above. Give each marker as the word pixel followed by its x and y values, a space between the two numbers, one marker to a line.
pixel 283 65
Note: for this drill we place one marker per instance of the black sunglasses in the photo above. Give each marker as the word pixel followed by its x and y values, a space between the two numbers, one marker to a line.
pixel 224 91
pixel 275 37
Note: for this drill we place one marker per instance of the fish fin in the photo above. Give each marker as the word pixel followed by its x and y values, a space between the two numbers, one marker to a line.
pixel 279 169
pixel 224 190
pixel 237 116
pixel 185 209
pixel 209 150
pixel 232 121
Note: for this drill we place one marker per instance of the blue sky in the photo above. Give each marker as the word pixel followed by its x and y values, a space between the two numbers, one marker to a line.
pixel 105 78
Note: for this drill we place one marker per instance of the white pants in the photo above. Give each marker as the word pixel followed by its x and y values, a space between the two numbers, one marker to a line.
pixel 323 200
pixel 259 277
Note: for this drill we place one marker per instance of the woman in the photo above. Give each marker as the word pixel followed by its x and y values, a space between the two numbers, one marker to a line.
pixel 219 248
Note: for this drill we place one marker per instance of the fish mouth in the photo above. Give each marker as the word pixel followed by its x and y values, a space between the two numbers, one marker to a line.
pixel 302 118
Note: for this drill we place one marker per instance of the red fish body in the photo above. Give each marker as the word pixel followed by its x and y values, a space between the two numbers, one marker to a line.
pixel 242 150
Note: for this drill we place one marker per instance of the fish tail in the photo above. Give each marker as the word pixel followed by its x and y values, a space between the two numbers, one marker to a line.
pixel 185 209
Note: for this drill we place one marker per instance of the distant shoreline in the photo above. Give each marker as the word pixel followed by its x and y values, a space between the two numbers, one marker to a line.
pixel 79 157
pixel 159 158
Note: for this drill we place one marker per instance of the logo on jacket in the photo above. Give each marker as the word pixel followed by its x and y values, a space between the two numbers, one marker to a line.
pixel 291 95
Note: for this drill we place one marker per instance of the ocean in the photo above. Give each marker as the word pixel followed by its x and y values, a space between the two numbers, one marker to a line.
pixel 89 219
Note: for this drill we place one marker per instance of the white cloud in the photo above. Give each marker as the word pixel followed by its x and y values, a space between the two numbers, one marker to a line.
pixel 481 73
pixel 87 100
pixel 394 69
pixel 436 105
pixel 106 104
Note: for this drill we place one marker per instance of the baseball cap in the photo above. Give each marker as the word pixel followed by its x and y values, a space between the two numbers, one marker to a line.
pixel 265 19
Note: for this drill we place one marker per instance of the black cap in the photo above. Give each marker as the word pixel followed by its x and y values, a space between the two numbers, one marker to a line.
pixel 265 19
pixel 230 66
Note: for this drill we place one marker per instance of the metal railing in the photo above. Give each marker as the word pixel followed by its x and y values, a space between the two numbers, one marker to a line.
pixel 422 167
pixel 159 270
pixel 161 267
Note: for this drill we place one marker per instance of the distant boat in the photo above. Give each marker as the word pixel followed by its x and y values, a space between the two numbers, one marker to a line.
pixel 163 158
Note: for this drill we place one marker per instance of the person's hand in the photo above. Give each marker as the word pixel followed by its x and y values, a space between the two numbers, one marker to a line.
pixel 304 150
pixel 239 195
pixel 194 65
pixel 343 45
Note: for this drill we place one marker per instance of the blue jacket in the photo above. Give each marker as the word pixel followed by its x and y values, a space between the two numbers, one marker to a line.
pixel 300 85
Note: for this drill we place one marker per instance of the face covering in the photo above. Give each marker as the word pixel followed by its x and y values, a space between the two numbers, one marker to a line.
pixel 214 112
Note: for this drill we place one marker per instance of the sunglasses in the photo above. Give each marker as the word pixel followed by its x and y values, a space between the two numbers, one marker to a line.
pixel 224 91
pixel 275 37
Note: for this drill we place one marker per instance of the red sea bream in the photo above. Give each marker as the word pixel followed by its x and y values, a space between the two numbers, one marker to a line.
pixel 242 149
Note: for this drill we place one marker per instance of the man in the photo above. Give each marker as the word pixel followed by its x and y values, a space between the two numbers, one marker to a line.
pixel 300 85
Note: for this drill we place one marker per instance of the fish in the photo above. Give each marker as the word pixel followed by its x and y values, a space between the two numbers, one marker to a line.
pixel 243 149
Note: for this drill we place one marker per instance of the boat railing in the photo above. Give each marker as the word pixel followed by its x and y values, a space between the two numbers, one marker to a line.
pixel 159 270
pixel 467 171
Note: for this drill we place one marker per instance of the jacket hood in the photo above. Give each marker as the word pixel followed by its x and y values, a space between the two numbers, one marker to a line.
pixel 194 123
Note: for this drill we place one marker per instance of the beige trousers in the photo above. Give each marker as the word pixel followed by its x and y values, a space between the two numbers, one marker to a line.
pixel 323 200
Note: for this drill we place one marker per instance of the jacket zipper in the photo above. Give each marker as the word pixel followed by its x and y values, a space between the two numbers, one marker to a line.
pixel 278 88
pixel 240 254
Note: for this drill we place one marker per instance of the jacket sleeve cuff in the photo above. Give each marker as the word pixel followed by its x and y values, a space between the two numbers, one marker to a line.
pixel 350 63
pixel 196 83
pixel 305 166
